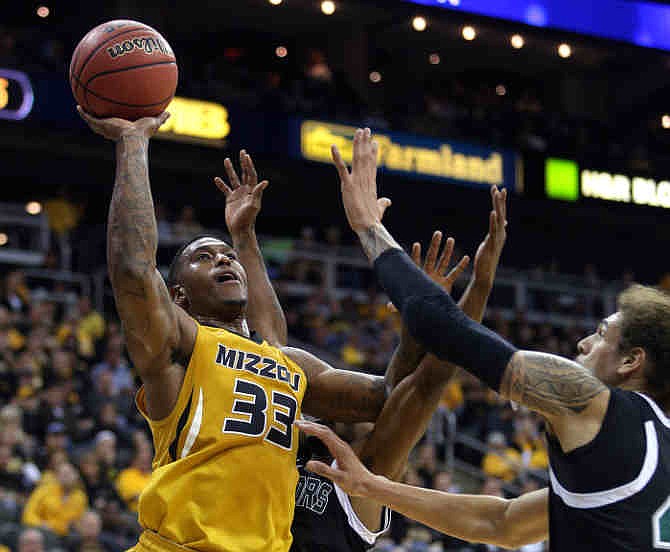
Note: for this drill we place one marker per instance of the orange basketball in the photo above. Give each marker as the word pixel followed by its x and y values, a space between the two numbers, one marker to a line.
pixel 123 69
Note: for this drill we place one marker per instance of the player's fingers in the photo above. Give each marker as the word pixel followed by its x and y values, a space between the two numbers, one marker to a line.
pixel 323 470
pixel 416 253
pixel 458 269
pixel 330 439
pixel 340 165
pixel 383 203
pixel 162 118
pixel 445 258
pixel 251 168
pixel 504 205
pixel 221 185
pixel 356 164
pixel 433 248
pixel 493 223
pixel 234 181
pixel 260 188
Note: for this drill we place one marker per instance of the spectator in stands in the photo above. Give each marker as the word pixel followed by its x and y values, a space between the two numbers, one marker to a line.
pixel 501 461
pixel 186 226
pixel 91 323
pixel 55 440
pixel 31 540
pixel 353 352
pixel 87 534
pixel 105 453
pixel 10 336
pixel 528 442
pixel 15 295
pixel 58 503
pixel 116 364
pixel 132 480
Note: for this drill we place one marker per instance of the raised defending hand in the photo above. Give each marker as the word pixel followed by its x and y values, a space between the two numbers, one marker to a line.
pixel 359 187
pixel 489 251
pixel 437 269
pixel 114 128
pixel 350 474
pixel 243 199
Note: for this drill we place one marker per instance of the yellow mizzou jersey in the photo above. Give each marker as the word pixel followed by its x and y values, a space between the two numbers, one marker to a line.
pixel 224 472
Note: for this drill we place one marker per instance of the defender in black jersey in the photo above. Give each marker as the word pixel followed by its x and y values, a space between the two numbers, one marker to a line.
pixel 605 412
pixel 326 518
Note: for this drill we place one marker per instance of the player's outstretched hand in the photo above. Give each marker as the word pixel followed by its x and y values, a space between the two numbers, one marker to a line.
pixel 489 251
pixel 114 128
pixel 349 473
pixel 243 199
pixel 359 187
pixel 437 268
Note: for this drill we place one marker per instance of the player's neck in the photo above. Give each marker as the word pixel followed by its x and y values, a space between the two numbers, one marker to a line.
pixel 238 325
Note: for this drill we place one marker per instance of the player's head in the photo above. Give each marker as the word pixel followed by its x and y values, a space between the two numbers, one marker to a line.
pixel 632 347
pixel 206 279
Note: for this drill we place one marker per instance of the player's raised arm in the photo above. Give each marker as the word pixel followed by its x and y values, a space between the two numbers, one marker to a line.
pixel 557 388
pixel 243 203
pixel 476 518
pixel 156 330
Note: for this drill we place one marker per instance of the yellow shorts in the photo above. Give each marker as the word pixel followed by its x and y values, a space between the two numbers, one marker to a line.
pixel 153 542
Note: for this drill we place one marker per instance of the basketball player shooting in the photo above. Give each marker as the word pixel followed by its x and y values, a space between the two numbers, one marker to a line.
pixel 326 518
pixel 609 437
pixel 221 402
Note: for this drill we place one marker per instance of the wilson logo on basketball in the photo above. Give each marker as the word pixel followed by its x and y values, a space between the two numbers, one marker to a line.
pixel 149 45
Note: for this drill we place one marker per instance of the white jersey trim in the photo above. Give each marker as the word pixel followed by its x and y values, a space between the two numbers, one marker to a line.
pixel 355 523
pixel 195 427
pixel 657 410
pixel 584 501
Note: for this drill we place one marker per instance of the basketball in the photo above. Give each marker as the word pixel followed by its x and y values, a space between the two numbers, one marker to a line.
pixel 123 69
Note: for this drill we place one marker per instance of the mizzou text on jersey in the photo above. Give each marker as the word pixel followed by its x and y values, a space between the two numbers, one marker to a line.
pixel 225 466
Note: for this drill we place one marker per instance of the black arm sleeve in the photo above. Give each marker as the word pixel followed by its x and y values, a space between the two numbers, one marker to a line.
pixel 435 320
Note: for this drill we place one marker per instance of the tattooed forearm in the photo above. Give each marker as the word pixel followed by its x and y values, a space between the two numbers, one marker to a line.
pixel 375 240
pixel 132 235
pixel 549 384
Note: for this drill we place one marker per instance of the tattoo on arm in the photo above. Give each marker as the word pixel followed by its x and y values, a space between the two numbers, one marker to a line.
pixel 549 384
pixel 375 240
pixel 132 235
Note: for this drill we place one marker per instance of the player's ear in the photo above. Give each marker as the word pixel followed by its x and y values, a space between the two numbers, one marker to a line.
pixel 178 294
pixel 633 362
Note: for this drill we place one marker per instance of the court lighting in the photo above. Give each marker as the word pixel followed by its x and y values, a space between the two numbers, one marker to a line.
pixel 468 32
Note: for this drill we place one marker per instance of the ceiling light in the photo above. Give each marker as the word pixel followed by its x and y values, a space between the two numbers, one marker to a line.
pixel 469 32
pixel 328 7
pixel 419 23
pixel 517 41
pixel 564 50
pixel 33 208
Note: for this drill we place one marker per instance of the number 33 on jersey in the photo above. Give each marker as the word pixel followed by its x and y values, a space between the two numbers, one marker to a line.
pixel 228 449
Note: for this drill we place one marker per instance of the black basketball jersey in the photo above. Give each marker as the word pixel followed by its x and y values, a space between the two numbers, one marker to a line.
pixel 613 494
pixel 324 520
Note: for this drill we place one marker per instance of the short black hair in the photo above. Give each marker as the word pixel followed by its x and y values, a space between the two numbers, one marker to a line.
pixel 175 264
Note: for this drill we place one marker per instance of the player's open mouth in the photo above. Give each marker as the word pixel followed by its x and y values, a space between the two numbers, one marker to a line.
pixel 227 277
